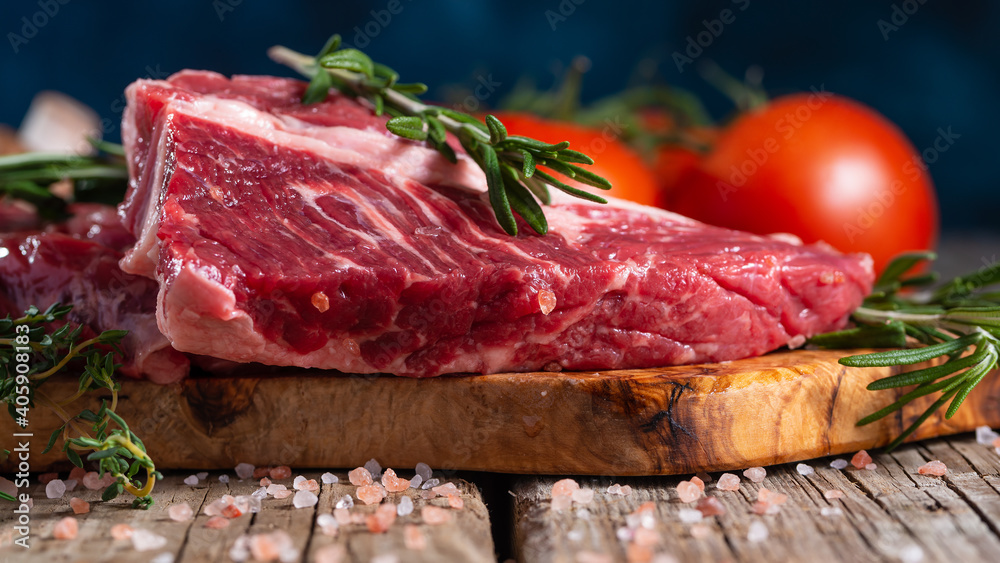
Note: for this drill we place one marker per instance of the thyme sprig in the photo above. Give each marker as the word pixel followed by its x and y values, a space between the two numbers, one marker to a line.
pixel 518 169
pixel 956 324
pixel 35 340
pixel 100 178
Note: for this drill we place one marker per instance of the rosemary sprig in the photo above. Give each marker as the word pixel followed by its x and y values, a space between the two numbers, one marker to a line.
pixel 513 164
pixel 958 322
pixel 33 341
pixel 102 178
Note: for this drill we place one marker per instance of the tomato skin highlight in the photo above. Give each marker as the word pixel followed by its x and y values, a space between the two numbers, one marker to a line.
pixel 628 173
pixel 819 166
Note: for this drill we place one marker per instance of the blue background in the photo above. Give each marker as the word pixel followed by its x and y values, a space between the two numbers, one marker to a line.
pixel 938 69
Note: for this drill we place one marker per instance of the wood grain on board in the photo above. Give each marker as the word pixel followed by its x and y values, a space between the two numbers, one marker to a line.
pixel 760 411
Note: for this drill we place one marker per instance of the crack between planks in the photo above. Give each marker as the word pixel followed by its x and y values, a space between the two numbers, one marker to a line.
pixel 194 518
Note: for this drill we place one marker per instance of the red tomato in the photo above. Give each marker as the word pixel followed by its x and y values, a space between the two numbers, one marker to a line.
pixel 818 166
pixel 630 178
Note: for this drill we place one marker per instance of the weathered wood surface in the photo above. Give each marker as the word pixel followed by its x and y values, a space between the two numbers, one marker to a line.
pixel 759 411
pixel 888 514
pixel 466 538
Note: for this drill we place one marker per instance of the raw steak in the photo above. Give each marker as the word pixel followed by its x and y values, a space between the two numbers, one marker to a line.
pixel 77 263
pixel 309 236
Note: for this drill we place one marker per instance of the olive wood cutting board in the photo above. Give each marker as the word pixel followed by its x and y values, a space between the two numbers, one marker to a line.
pixel 777 408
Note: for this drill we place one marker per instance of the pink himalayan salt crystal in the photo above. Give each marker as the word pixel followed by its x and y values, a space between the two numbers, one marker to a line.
pixel 44 478
pixel 435 515
pixel 383 518
pixel 327 524
pixel 413 538
pixel 369 494
pixel 394 484
pixel 728 482
pixel 284 493
pixel 705 477
pixel 697 481
pixel 231 511
pixel 79 506
pixel 755 474
pixel 281 472
pixel 244 470
pixel 933 468
pixel 261 472
pixel 77 474
pixel 217 522
pixel 456 502
pixel 688 491
pixel 448 488
pixel 646 537
pixel 65 529
pixel 272 546
pixel 700 531
pixel 833 493
pixel 305 499
pixel 561 502
pixel 92 480
pixel 546 301
pixel 582 496
pixel 710 506
pixel 625 491
pixel 332 553
pixel 55 488
pixel 360 477
pixel 342 515
pixel 861 459
pixel 121 531
pixel 275 487
pixel 636 553
pixel 564 487
pixel 871 467
pixel 180 512
pixel 307 485
pixel 428 494
pixel 771 497
pixel 265 482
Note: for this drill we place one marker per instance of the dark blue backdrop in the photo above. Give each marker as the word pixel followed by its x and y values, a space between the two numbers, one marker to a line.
pixel 929 64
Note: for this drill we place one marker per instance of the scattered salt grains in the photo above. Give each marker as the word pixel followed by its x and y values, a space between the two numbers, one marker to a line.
pixel 247 504
pixel 280 472
pixel 838 463
pixel 345 502
pixel 259 493
pixel 305 499
pixel 456 502
pixel 327 524
pixel 394 484
pixel 202 475
pixel 215 507
pixel 435 515
pixel 430 483
pixel 705 477
pixel 583 514
pixel 757 532
pixel 710 506
pixel 424 471
pixel 92 480
pixel 374 468
pixel 382 520
pixel 70 484
pixel 307 485
pixel 699 483
pixel 273 546
pixel 728 482
pixel 297 480
pixel 329 478
pixel 265 482
pixel 413 538
pixel 274 488
pixel 625 491
pixel 331 553
pixel 121 531
pixel 191 480
pixel 369 494
pixel 831 511
pixel 935 467
pixel 755 474
pixel 55 489
pixel 405 506
pixel 180 512
pixel 561 502
pixel 986 436
pixel 217 522
pixel 448 488
pixel 614 489
pixel 700 531
pixel 688 491
pixel 804 469
pixel 833 494
pixel 911 553
pixel 624 534
pixel 65 529
pixel 583 496
pixel 244 470
pixel 79 506
pixel 232 511
pixel 77 473
pixel 427 495
pixel 861 459
pixel 145 540
pixel 342 515
pixel 871 467
pixel 360 477
pixel 223 478
pixel 261 472
pixel 689 515
pixel 646 537
pixel 282 494
pixel 564 487
pixel 416 481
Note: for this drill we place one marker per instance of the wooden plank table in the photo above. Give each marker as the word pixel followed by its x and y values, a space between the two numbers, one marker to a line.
pixel 890 513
